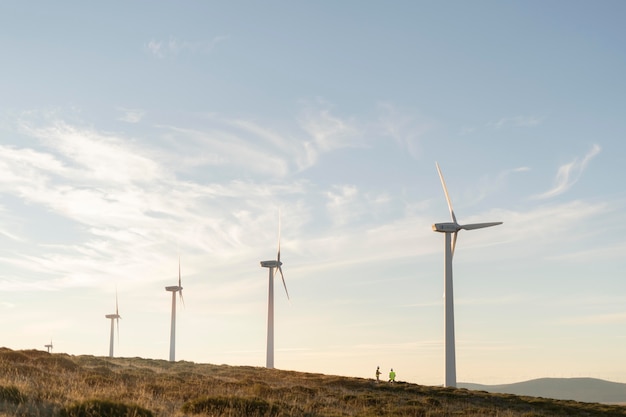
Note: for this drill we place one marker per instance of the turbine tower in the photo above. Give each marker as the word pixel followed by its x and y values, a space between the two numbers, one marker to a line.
pixel 49 347
pixel 272 265
pixel 174 289
pixel 114 318
pixel 451 229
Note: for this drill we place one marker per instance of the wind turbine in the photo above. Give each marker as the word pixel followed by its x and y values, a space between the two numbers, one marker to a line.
pixel 49 347
pixel 272 266
pixel 114 318
pixel 174 289
pixel 451 230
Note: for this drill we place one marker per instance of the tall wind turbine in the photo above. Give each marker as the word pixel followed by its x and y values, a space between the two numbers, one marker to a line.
pixel 49 347
pixel 174 289
pixel 272 265
pixel 114 318
pixel 451 229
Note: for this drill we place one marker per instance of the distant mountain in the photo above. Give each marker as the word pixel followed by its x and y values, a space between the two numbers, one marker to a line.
pixel 579 389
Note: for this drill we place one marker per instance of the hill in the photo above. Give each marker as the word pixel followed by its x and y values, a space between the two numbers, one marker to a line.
pixel 579 389
pixel 39 384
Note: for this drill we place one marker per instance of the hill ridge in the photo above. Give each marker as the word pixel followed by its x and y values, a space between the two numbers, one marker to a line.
pixel 34 382
pixel 585 389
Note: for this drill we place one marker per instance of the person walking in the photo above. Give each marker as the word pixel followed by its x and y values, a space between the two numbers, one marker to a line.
pixel 378 374
pixel 392 376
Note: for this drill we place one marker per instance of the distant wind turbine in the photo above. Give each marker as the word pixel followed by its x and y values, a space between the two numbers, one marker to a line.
pixel 451 229
pixel 174 289
pixel 272 266
pixel 115 319
pixel 49 347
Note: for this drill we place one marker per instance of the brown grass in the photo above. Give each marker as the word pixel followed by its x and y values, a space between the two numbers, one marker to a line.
pixel 39 384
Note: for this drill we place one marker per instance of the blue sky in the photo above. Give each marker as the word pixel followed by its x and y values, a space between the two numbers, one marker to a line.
pixel 132 133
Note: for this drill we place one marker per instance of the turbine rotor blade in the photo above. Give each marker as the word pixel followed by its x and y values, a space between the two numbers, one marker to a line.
pixel 454 242
pixel 182 300
pixel 278 255
pixel 283 278
pixel 479 225
pixel 179 272
pixel 445 190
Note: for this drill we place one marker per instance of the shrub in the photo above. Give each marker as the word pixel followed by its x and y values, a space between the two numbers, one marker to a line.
pixel 232 406
pixel 14 357
pixel 11 395
pixel 103 408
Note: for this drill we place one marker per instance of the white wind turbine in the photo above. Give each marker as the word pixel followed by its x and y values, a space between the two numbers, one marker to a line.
pixel 272 266
pixel 114 318
pixel 49 347
pixel 451 229
pixel 174 289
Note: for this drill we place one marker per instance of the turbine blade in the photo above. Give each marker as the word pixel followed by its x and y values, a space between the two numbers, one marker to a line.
pixel 479 225
pixel 116 305
pixel 278 255
pixel 445 190
pixel 118 330
pixel 283 278
pixel 454 242
pixel 180 286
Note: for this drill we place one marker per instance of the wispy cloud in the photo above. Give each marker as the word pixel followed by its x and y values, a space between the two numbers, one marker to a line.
pixel 326 132
pixel 131 202
pixel 131 115
pixel 403 127
pixel 608 318
pixel 489 185
pixel 516 121
pixel 173 46
pixel 568 174
pixel 504 122
pixel 98 156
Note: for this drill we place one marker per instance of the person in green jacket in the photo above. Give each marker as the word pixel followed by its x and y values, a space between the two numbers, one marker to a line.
pixel 392 376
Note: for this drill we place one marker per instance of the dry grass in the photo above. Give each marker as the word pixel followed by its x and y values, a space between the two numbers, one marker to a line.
pixel 39 384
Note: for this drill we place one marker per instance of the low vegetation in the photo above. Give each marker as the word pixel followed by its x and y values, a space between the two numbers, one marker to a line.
pixel 39 384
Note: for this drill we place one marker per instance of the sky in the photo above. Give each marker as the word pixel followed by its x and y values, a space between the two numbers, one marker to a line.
pixel 135 134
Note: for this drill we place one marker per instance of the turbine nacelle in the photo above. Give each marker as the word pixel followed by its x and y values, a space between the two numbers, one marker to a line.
pixel 174 288
pixel 271 264
pixel 446 227
pixel 455 227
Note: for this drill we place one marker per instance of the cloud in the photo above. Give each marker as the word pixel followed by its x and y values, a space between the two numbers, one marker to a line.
pixel 405 128
pixel 598 319
pixel 568 174
pixel 327 132
pixel 504 122
pixel 124 204
pixel 131 115
pixel 489 185
pixel 517 121
pixel 232 148
pixel 96 156
pixel 172 47
pixel 342 204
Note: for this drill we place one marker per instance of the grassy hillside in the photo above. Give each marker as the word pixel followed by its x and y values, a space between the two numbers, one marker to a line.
pixel 579 389
pixel 35 383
